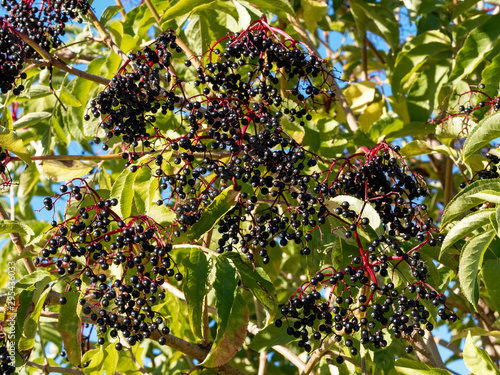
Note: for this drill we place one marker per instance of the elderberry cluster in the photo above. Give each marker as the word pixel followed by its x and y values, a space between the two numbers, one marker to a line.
pixel 44 25
pixel 5 359
pixel 488 173
pixel 132 98
pixel 123 262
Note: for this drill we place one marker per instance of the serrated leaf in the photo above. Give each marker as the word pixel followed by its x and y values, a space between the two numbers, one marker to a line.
pixel 229 341
pixel 410 367
pixel 477 360
pixel 10 141
pixel 123 191
pixel 471 259
pixel 39 278
pixel 270 336
pixel 69 326
pixel 465 227
pixel 490 273
pixel 259 283
pixel 212 214
pixel 14 226
pixel 65 170
pixel 464 201
pixel 30 119
pixel 195 287
pixel 476 48
pixel 486 131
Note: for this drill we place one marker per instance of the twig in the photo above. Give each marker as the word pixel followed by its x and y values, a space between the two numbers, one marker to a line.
pixel 122 11
pixel 364 57
pixel 106 37
pixel 48 369
pixel 18 242
pixel 317 354
pixel 263 355
pixel 448 345
pixel 431 344
pixel 153 11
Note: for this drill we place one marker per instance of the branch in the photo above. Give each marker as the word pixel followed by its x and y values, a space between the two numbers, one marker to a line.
pixel 448 345
pixel 106 37
pixel 218 155
pixel 346 109
pixel 18 243
pixel 48 369
pixel 51 61
pixel 317 354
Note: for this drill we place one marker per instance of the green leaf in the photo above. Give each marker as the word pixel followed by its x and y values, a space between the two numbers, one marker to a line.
pixel 259 283
pixel 463 201
pixel 465 227
pixel 490 278
pixel 229 341
pixel 470 261
pixel 377 18
pixel 30 327
pixel 123 191
pixel 211 215
pixel 110 360
pixel 232 315
pixel 360 95
pixel 314 11
pixel 68 98
pixel 39 279
pixel 182 8
pixel 410 367
pixel 10 141
pixel 476 48
pixel 360 207
pixel 475 331
pixel 14 226
pixel 477 360
pixel 195 287
pixel 69 326
pixel 109 13
pixel 279 7
pixel 486 131
pixel 64 170
pixel 270 336
pixel 491 196
pixel 30 119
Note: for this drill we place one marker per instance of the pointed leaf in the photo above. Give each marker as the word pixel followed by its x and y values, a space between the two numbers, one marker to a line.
pixel 30 327
pixel 259 283
pixel 30 119
pixel 195 287
pixel 14 226
pixel 477 360
pixel 490 273
pixel 228 342
pixel 410 367
pixel 64 170
pixel 270 336
pixel 123 191
pixel 476 48
pixel 486 131
pixel 465 227
pixel 470 262
pixel 10 141
pixel 211 215
pixel 69 326
pixel 463 201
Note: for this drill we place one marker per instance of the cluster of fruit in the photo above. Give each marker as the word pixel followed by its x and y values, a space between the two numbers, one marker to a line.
pixel 231 134
pixel 121 263
pixel 43 24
